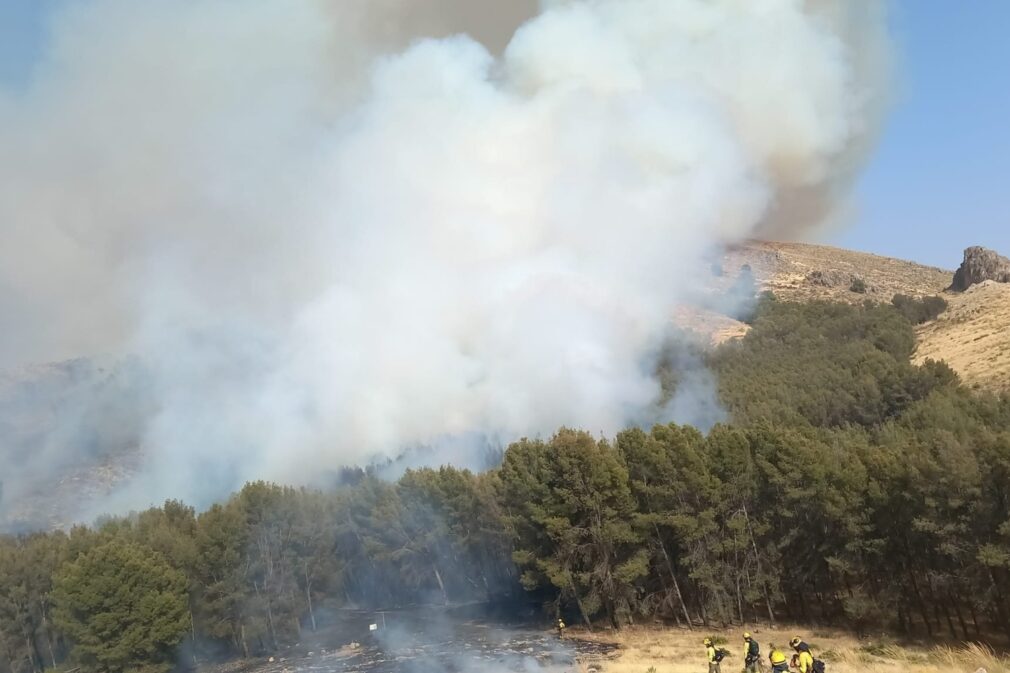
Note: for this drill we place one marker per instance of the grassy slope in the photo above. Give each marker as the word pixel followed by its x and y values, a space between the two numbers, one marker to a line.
pixel 788 275
pixel 973 336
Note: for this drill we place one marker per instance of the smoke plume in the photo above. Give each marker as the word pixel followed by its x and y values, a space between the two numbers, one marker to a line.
pixel 329 231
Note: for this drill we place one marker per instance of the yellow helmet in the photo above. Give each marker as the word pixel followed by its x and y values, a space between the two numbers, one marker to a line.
pixel 795 641
pixel 707 641
pixel 746 635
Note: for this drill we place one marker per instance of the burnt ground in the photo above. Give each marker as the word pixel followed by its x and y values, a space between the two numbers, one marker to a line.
pixel 422 644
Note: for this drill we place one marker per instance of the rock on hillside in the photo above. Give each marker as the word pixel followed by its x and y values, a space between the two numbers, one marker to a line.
pixel 980 264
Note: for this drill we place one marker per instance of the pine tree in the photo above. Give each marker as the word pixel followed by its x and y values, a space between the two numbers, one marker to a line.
pixel 123 606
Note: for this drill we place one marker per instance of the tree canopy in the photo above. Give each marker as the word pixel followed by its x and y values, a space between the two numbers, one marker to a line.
pixel 123 606
pixel 850 486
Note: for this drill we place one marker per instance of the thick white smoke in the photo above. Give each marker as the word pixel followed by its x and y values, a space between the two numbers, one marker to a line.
pixel 326 246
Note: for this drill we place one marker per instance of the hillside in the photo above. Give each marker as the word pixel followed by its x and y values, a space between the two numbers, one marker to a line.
pixel 840 448
pixel 55 438
pixel 803 272
pixel 972 335
pixel 806 272
pixel 68 435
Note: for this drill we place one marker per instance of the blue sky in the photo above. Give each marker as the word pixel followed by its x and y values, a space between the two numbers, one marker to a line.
pixel 22 33
pixel 938 182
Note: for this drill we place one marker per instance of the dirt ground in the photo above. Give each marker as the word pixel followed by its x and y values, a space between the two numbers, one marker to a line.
pixel 656 650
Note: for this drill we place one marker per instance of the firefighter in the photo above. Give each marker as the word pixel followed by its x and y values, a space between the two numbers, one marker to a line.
pixel 712 654
pixel 751 654
pixel 560 626
pixel 804 659
pixel 777 659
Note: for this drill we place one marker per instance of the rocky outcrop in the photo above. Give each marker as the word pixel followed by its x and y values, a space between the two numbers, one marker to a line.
pixel 980 264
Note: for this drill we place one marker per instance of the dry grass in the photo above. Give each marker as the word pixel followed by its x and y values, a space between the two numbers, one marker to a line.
pixel 973 336
pixel 790 270
pixel 678 651
pixel 708 326
pixel 804 272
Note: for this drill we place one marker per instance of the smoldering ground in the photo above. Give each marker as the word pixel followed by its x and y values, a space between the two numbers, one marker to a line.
pixel 423 642
pixel 326 234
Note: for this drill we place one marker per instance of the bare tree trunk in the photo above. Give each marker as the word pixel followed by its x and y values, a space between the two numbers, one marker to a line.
pixel 308 598
pixel 757 560
pixel 270 621
pixel 673 608
pixel 192 630
pixel 312 612
pixel 245 644
pixel 270 615
pixel 959 614
pixel 999 603
pixel 940 607
pixel 441 585
pixel 31 647
pixel 578 601
pixel 739 598
pixel 673 574
pixel 29 654
pixel 49 636
pixel 919 602
pixel 974 619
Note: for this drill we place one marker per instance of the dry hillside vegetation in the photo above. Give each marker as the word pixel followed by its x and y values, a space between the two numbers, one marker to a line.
pixel 708 325
pixel 805 272
pixel 674 651
pixel 802 272
pixel 973 335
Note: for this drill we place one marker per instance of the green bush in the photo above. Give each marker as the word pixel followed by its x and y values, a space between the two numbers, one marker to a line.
pixel 919 310
pixel 824 364
pixel 124 607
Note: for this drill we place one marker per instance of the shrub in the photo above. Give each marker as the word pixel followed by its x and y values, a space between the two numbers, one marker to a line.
pixel 919 310
pixel 858 286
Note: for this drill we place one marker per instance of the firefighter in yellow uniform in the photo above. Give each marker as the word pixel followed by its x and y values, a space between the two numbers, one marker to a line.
pixel 561 628
pixel 804 660
pixel 751 654
pixel 778 660
pixel 712 654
